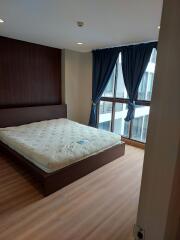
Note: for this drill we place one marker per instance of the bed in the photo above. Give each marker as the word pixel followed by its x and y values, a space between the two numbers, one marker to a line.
pixel 56 150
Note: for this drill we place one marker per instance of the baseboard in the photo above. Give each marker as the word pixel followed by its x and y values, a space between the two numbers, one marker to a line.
pixel 133 143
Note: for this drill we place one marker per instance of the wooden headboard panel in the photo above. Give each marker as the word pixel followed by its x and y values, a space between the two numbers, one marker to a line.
pixel 30 74
pixel 18 116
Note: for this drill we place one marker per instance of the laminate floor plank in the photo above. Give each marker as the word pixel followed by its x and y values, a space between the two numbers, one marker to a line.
pixel 100 206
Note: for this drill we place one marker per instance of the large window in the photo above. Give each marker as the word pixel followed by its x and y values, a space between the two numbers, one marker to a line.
pixel 113 103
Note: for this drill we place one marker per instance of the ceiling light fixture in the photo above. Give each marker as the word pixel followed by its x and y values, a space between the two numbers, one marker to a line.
pixel 1 20
pixel 159 27
pixel 80 43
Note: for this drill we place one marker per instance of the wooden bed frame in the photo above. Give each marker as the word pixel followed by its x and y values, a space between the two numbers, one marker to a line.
pixel 51 182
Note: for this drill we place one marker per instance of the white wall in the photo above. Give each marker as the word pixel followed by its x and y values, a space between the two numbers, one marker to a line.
pixel 77 84
pixel 161 154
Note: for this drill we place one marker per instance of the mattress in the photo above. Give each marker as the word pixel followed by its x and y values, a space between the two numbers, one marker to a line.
pixel 54 144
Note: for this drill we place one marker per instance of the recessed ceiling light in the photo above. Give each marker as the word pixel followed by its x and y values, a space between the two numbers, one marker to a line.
pixel 80 43
pixel 159 27
pixel 80 23
pixel 1 20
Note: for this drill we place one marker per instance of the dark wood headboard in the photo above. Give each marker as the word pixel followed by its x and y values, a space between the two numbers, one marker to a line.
pixel 18 116
pixel 30 74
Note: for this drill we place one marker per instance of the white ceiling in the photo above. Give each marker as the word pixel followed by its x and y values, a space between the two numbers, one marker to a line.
pixel 107 22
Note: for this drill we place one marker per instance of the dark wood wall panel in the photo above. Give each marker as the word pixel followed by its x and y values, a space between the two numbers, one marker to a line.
pixel 30 74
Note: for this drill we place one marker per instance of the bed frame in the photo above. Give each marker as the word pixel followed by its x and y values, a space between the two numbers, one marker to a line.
pixel 51 182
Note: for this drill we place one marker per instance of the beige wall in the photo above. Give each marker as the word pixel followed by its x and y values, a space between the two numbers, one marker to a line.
pixel 162 155
pixel 77 84
pixel 173 222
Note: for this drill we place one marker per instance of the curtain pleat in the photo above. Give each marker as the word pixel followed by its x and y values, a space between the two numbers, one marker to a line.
pixel 135 59
pixel 103 65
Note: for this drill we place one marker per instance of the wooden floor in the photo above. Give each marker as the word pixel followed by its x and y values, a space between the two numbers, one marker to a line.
pixel 100 206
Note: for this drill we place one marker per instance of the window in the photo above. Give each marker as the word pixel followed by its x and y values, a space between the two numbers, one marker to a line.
pixel 105 115
pixel 120 126
pixel 140 123
pixel 113 103
pixel 145 88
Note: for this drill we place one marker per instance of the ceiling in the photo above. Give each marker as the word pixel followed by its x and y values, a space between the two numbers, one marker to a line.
pixel 108 23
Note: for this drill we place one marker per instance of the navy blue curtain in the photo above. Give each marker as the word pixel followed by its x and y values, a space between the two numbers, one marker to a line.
pixel 135 59
pixel 103 65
